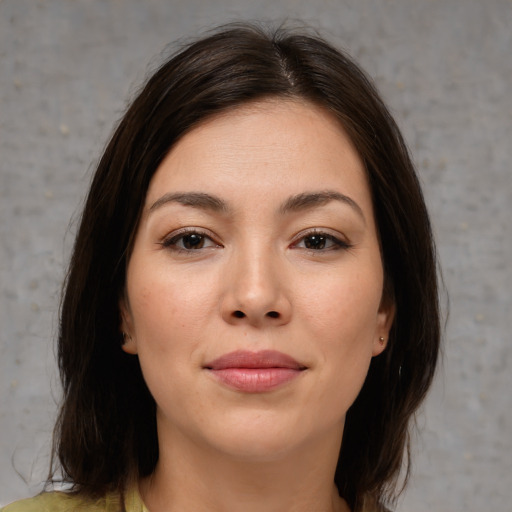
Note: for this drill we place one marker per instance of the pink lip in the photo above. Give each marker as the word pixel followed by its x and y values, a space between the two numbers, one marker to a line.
pixel 255 372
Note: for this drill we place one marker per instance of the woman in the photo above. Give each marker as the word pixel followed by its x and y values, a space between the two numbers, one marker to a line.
pixel 250 317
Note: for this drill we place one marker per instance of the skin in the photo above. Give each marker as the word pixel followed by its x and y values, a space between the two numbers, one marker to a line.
pixel 222 449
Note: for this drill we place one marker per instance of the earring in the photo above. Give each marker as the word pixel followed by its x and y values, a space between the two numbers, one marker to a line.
pixel 381 340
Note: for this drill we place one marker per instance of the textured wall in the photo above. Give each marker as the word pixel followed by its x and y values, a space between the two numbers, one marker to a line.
pixel 445 68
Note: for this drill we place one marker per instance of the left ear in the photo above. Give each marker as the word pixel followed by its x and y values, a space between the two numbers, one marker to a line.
pixel 385 318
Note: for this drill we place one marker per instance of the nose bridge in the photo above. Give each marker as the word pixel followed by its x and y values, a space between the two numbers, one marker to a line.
pixel 256 281
pixel 256 289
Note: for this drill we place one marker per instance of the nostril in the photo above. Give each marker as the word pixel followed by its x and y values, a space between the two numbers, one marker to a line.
pixel 239 314
pixel 273 314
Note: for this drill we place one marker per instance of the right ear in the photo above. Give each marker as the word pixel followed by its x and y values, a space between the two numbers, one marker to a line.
pixel 129 342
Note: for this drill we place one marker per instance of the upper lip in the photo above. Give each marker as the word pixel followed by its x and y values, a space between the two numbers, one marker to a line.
pixel 260 359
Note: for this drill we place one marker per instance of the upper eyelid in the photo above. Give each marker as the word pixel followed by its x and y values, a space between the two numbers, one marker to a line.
pixel 189 229
pixel 320 231
pixel 176 234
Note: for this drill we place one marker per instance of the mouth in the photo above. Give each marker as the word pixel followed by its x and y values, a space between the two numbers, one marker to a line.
pixel 255 372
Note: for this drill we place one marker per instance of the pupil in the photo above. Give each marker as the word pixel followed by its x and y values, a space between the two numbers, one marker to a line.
pixel 192 241
pixel 315 242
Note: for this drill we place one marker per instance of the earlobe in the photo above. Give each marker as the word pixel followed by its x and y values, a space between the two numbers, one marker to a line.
pixel 385 318
pixel 379 346
pixel 129 344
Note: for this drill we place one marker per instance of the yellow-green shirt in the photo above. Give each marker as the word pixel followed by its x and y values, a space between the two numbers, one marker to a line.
pixel 64 502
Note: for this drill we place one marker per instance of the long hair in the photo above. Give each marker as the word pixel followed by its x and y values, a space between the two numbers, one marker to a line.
pixel 106 431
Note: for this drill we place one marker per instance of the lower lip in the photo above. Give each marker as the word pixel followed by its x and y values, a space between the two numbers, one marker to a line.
pixel 255 380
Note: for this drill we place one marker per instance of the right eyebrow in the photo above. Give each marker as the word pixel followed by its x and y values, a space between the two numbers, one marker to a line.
pixel 193 199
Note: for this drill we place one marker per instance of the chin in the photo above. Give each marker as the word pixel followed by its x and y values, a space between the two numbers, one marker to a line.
pixel 261 436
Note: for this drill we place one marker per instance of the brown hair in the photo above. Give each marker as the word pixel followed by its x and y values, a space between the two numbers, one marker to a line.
pixel 106 432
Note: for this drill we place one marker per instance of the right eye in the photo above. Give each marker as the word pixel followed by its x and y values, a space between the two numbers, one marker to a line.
pixel 190 240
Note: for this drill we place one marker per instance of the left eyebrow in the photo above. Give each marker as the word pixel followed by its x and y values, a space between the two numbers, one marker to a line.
pixel 309 200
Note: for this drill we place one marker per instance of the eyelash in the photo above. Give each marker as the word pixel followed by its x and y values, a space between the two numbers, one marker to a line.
pixel 337 244
pixel 172 241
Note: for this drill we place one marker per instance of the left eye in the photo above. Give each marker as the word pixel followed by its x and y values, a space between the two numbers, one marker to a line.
pixel 321 242
pixel 189 241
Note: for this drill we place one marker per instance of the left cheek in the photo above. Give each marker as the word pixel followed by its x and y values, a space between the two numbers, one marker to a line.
pixel 343 319
pixel 347 353
pixel 343 308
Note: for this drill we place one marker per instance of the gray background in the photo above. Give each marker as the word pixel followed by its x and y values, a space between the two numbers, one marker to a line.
pixel 445 68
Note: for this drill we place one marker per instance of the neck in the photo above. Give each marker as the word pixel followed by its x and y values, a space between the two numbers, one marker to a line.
pixel 192 478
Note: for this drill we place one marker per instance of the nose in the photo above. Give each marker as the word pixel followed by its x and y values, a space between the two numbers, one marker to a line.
pixel 256 291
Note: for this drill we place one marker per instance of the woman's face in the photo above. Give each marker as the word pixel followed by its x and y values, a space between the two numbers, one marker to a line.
pixel 253 294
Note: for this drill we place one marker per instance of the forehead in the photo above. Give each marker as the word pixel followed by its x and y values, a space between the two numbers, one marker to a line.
pixel 264 147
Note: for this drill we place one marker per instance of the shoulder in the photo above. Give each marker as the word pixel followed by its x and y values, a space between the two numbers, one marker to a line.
pixel 45 502
pixel 65 502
